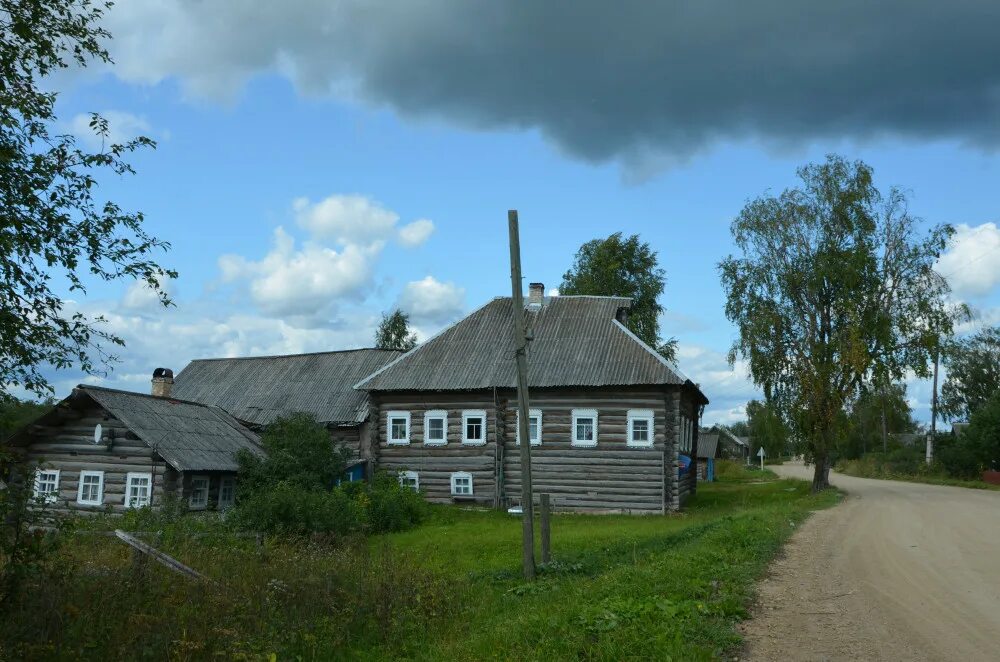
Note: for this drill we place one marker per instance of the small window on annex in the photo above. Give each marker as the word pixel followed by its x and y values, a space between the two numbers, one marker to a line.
pixel 398 427
pixel 584 427
pixel 227 492
pixel 474 426
pixel 199 492
pixel 436 427
pixel 534 426
pixel 461 483
pixel 410 479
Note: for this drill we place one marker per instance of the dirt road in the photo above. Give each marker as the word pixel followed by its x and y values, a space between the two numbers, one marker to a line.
pixel 899 571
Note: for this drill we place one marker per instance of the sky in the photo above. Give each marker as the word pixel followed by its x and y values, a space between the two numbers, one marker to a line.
pixel 319 163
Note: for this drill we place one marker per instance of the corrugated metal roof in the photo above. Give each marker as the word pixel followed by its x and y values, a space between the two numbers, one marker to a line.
pixel 576 342
pixel 259 389
pixel 188 435
pixel 708 444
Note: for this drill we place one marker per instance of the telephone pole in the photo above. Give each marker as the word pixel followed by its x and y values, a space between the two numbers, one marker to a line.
pixel 521 354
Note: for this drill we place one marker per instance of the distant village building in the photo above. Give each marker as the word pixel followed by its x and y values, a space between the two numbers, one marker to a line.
pixel 107 450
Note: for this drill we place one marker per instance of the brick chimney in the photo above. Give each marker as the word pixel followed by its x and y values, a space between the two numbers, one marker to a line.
pixel 536 294
pixel 163 382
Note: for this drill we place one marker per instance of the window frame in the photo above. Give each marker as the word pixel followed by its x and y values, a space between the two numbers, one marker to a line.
pixel 389 415
pixel 128 488
pixel 532 413
pixel 410 475
pixel 584 413
pixel 100 488
pixel 473 413
pixel 435 414
pixel 223 481
pixel 208 488
pixel 50 497
pixel 462 474
pixel 647 415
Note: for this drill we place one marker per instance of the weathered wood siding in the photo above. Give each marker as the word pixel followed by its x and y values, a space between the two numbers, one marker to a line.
pixel 67 444
pixel 349 437
pixel 609 476
pixel 435 464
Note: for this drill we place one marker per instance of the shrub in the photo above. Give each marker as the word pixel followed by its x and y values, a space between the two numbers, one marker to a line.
pixel 393 507
pixel 981 440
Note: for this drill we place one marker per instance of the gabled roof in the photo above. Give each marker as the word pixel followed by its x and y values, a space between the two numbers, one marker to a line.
pixel 708 444
pixel 576 342
pixel 259 389
pixel 188 435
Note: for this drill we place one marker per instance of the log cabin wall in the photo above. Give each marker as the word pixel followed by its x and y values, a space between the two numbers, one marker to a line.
pixel 610 476
pixel 349 437
pixel 435 464
pixel 66 443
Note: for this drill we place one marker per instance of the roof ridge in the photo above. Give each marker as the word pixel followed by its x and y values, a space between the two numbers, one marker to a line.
pixel 287 356
pixel 95 387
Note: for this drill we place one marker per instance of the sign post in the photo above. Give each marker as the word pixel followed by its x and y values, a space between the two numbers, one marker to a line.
pixel 760 454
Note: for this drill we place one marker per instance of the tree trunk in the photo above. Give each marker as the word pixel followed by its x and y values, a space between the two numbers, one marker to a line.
pixel 821 474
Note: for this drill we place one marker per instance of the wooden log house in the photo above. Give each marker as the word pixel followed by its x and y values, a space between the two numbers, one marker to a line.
pixel 609 415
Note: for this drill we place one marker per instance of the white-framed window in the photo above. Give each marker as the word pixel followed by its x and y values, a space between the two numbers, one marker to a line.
pixel 90 492
pixel 534 426
pixel 461 483
pixel 397 427
pixel 227 492
pixel 199 492
pixel 584 427
pixel 474 427
pixel 435 427
pixel 138 489
pixel 47 484
pixel 410 479
pixel 640 427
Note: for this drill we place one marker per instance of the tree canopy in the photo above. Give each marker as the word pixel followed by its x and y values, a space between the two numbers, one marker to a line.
pixel 833 288
pixel 973 366
pixel 394 332
pixel 626 267
pixel 766 429
pixel 874 415
pixel 55 230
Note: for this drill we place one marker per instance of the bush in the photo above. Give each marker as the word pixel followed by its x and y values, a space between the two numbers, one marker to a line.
pixel 981 440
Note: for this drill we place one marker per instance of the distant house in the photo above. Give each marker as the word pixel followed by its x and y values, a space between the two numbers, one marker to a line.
pixel 102 449
pixel 257 390
pixel 708 451
pixel 718 442
pixel 608 415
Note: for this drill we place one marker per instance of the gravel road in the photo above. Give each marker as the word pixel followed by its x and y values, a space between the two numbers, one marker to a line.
pixel 898 571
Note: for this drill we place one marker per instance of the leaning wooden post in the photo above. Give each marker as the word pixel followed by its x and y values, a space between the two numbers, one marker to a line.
pixel 546 534
pixel 521 356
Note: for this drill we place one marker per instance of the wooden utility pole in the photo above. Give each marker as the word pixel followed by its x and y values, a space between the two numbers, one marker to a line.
pixel 521 355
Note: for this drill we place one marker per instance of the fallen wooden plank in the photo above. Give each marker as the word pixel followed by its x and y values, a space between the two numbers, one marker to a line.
pixel 160 557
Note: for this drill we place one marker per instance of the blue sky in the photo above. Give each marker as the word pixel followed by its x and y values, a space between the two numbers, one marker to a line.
pixel 249 143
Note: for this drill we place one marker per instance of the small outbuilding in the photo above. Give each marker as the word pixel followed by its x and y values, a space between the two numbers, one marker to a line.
pixel 103 450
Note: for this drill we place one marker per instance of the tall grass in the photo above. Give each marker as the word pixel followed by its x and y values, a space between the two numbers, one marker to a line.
pixel 652 587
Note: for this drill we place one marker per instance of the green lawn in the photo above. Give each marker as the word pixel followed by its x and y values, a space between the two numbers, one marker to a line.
pixel 619 587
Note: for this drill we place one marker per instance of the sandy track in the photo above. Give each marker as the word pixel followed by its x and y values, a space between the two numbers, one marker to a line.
pixel 899 571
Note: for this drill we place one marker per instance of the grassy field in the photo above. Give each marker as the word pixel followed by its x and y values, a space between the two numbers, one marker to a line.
pixel 619 587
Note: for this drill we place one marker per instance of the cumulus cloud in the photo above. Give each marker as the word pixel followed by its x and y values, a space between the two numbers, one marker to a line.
pixel 346 219
pixel 648 83
pixel 972 262
pixel 728 388
pixel 140 297
pixel 416 233
pixel 290 280
pixel 429 301
pixel 122 127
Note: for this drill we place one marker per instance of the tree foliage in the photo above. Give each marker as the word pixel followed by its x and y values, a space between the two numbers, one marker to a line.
pixel 625 267
pixel 299 454
pixel 832 289
pixel 766 429
pixel 978 447
pixel 973 367
pixel 394 332
pixel 866 419
pixel 55 230
pixel 15 413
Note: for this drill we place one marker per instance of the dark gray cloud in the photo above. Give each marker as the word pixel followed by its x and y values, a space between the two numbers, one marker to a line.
pixel 635 80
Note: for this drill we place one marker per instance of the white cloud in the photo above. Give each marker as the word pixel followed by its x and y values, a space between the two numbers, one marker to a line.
pixel 416 233
pixel 346 219
pixel 140 297
pixel 122 127
pixel 431 301
pixel 289 281
pixel 727 388
pixel 553 291
pixel 972 262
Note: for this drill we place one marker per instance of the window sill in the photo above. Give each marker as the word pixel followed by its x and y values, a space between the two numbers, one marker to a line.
pixel 398 443
pixel 633 445
pixel 583 444
pixel 435 443
pixel 473 443
pixel 464 497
